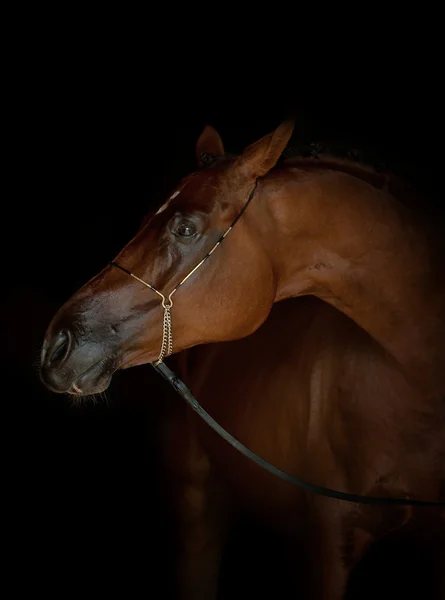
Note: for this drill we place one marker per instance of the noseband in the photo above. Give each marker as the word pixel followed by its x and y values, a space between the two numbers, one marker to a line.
pixel 167 302
pixel 180 387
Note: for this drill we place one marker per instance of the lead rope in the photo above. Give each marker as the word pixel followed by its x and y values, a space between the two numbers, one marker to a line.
pixel 180 387
pixel 167 303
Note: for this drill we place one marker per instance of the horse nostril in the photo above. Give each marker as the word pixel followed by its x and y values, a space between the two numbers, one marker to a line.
pixel 59 352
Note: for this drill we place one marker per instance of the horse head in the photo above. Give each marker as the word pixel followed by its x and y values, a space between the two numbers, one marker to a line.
pixel 116 321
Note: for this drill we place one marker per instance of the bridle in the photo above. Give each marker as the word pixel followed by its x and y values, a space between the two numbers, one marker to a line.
pixel 180 387
pixel 167 302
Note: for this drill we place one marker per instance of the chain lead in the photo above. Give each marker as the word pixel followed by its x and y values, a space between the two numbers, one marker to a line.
pixel 167 336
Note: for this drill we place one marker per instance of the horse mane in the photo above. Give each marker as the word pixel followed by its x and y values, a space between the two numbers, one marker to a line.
pixel 378 179
pixel 381 169
pixel 364 165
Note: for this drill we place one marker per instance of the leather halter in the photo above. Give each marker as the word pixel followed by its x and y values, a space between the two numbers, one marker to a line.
pixel 180 387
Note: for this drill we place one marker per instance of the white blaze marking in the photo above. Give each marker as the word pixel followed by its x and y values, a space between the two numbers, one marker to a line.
pixel 164 206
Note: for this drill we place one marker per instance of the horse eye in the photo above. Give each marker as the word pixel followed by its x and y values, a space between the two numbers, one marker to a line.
pixel 185 229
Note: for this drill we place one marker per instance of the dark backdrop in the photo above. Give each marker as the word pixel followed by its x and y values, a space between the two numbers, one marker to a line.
pixel 95 146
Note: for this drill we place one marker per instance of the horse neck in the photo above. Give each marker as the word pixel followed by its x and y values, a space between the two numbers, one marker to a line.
pixel 359 249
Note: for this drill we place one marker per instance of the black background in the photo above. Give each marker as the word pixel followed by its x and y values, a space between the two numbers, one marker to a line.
pixel 97 141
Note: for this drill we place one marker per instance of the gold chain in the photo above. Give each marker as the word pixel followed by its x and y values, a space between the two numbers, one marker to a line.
pixel 167 336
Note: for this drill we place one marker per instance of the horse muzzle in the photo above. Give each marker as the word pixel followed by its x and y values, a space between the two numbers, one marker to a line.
pixel 73 367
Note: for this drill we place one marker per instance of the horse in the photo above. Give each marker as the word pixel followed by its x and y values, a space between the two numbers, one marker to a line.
pixel 345 386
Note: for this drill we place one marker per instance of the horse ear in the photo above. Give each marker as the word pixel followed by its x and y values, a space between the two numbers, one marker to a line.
pixel 209 146
pixel 261 156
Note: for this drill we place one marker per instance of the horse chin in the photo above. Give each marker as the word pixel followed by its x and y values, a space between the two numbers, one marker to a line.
pixel 137 358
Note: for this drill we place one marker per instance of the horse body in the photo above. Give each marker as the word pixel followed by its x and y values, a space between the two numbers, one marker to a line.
pixel 337 413
pixel 331 408
pixel 346 393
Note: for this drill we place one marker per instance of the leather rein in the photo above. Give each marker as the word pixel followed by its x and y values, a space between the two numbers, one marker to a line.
pixel 180 387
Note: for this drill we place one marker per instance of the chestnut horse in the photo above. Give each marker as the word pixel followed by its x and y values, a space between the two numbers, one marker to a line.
pixel 347 392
